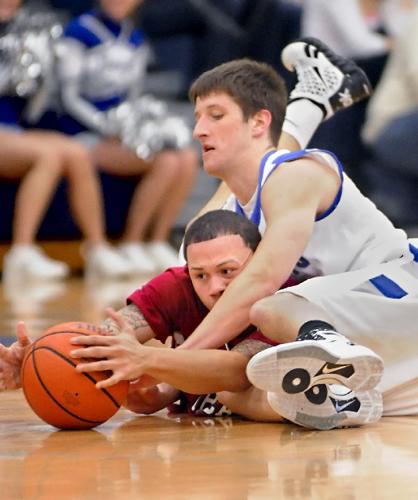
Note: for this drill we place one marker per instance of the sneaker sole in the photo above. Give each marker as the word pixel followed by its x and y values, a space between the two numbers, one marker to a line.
pixel 323 417
pixel 297 366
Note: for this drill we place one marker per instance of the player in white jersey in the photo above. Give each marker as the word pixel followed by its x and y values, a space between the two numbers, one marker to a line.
pixel 361 273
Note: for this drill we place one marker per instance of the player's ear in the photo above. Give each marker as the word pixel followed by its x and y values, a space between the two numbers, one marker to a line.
pixel 261 122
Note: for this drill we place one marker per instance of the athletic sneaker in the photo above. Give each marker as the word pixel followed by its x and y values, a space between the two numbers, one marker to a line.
pixel 163 254
pixel 328 80
pixel 326 407
pixel 102 261
pixel 29 262
pixel 295 367
pixel 138 258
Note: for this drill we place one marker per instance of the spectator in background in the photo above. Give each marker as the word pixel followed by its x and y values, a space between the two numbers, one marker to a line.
pixel 363 30
pixel 391 131
pixel 103 59
pixel 39 159
pixel 206 33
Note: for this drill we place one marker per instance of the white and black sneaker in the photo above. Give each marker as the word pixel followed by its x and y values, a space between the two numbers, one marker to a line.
pixel 330 81
pixel 322 383
pixel 325 407
pixel 295 367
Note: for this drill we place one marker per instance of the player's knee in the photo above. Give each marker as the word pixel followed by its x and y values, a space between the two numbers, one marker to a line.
pixel 273 315
pixel 264 313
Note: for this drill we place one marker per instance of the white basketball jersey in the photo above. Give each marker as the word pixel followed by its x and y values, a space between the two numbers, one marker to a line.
pixel 350 235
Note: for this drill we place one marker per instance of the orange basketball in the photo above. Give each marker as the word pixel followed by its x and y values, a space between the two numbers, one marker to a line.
pixel 59 394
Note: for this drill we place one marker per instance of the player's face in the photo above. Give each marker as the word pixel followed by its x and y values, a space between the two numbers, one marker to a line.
pixel 8 9
pixel 214 263
pixel 221 130
pixel 119 9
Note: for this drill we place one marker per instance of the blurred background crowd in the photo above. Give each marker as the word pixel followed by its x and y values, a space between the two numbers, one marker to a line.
pixel 95 124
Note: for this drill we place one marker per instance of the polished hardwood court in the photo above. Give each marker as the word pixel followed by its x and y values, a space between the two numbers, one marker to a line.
pixel 158 456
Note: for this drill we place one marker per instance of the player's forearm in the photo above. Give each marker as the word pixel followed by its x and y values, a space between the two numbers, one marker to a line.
pixel 198 372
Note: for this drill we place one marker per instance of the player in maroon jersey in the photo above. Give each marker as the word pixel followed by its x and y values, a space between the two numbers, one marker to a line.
pixel 217 246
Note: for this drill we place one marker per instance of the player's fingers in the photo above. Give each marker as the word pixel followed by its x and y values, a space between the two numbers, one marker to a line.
pixel 114 379
pixel 90 352
pixel 22 334
pixel 94 366
pixel 91 340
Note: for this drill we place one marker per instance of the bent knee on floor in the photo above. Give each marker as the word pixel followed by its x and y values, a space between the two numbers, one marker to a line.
pixel 277 316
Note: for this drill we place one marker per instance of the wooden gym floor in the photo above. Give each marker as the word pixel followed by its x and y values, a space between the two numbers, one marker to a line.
pixel 141 457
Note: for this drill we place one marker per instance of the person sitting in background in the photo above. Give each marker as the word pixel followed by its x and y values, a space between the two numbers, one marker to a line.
pixel 390 133
pixel 39 159
pixel 102 62
pixel 363 30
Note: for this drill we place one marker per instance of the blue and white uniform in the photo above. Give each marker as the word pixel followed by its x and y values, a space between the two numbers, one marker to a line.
pixel 101 65
pixel 357 266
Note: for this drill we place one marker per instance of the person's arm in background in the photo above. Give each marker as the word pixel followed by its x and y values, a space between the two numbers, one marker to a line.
pixel 342 26
pixel 398 87
pixel 70 68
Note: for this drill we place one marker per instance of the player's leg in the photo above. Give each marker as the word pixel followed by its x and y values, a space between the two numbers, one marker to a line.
pixel 303 375
pixel 307 332
pixel 251 403
pixel 325 83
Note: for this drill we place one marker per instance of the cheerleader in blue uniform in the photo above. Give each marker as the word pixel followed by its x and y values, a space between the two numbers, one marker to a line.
pixel 103 59
pixel 40 158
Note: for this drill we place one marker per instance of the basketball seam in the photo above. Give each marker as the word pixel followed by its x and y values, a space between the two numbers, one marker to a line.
pixel 66 410
pixel 87 375
pixel 104 390
pixel 51 396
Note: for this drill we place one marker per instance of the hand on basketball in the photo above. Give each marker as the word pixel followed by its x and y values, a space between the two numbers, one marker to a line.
pixel 11 359
pixel 122 354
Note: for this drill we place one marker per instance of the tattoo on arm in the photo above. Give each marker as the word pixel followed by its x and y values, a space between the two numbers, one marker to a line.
pixel 250 347
pixel 132 315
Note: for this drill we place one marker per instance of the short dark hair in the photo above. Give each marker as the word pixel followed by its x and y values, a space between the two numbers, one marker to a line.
pixel 218 223
pixel 252 85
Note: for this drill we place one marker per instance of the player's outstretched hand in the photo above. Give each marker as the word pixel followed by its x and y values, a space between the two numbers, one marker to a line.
pixel 150 399
pixel 122 354
pixel 11 359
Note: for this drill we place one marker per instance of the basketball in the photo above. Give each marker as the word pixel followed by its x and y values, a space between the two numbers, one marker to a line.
pixel 56 392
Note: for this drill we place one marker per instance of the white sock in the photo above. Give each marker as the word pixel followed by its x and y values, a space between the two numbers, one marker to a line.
pixel 302 119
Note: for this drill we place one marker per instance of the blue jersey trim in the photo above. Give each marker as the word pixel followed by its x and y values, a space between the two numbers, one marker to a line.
pixel 75 29
pixel 256 213
pixel 414 251
pixel 337 198
pixel 294 155
pixel 388 287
